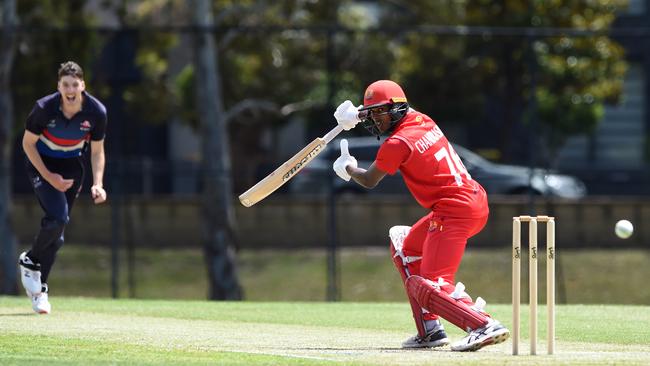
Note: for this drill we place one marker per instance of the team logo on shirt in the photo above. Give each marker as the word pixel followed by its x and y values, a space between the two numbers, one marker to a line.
pixel 433 225
pixel 52 123
pixel 85 126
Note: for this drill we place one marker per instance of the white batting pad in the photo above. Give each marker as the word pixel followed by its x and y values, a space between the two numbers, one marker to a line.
pixel 397 234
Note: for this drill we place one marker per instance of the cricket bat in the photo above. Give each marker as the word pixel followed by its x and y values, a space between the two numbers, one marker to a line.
pixel 287 170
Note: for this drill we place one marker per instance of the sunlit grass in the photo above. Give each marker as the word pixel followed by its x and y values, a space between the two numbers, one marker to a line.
pixel 105 331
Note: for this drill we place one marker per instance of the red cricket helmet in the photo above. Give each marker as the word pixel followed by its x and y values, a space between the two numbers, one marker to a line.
pixel 382 92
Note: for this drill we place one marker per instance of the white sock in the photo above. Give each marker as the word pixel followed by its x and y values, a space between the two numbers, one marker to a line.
pixel 432 325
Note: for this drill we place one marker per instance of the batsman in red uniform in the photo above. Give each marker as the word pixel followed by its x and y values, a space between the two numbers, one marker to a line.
pixel 427 254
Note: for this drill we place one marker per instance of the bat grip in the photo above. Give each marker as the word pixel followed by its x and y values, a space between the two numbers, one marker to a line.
pixel 332 134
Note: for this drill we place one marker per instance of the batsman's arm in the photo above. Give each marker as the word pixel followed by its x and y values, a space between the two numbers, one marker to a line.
pixel 287 170
pixel 366 178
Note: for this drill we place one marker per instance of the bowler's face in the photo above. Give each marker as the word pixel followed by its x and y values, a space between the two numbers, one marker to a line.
pixel 70 88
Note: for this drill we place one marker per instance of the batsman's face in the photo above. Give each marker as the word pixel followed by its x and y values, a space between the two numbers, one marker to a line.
pixel 70 88
pixel 381 117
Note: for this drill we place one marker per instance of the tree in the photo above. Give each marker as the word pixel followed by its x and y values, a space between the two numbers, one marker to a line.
pixel 578 75
pixel 263 71
pixel 487 79
pixel 8 20
pixel 47 40
pixel 197 87
pixel 218 213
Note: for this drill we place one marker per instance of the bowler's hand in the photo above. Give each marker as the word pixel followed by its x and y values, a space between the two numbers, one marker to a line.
pixel 347 115
pixel 59 183
pixel 344 161
pixel 98 194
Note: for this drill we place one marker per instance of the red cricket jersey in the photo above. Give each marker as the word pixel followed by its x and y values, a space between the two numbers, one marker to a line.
pixel 432 170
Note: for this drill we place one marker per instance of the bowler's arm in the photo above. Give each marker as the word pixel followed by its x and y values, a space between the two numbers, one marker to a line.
pixel 97 162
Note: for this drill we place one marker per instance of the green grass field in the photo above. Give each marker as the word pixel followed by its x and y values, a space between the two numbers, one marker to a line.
pixel 82 331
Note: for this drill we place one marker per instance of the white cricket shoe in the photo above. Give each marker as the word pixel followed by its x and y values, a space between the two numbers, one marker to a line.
pixel 30 275
pixel 433 339
pixel 40 302
pixel 492 333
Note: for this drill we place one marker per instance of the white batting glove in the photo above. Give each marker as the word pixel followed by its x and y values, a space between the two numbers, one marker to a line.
pixel 347 115
pixel 343 161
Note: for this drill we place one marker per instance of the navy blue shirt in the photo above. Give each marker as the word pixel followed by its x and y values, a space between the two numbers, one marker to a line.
pixel 61 137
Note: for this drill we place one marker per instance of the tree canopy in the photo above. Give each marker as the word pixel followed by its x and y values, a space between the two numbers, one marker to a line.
pixel 309 55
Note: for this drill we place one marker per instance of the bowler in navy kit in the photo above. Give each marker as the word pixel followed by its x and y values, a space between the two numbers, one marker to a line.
pixel 58 132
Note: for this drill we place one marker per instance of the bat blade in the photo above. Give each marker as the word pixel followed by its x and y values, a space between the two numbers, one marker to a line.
pixel 283 173
pixel 288 170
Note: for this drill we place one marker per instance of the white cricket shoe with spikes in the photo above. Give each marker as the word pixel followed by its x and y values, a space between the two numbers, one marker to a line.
pixel 435 338
pixel 492 333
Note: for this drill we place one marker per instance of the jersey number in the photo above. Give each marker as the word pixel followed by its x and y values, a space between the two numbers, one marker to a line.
pixel 456 167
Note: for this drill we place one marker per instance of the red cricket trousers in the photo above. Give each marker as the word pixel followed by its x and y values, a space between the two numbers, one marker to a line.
pixel 440 241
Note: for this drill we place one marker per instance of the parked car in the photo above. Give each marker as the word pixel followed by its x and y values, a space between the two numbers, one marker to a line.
pixel 495 178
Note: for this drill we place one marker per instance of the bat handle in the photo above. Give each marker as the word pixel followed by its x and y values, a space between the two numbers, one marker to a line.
pixel 332 134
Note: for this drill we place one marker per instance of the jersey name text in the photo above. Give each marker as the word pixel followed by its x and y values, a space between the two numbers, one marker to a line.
pixel 428 139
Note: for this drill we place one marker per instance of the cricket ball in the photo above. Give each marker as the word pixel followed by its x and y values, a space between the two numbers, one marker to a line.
pixel 624 229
